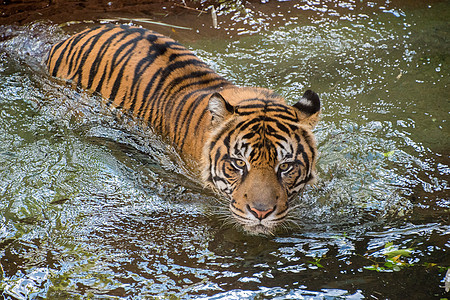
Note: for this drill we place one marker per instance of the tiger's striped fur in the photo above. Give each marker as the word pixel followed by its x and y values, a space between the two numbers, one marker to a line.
pixel 253 148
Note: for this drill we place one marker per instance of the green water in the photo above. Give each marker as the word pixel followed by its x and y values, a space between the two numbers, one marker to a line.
pixel 95 208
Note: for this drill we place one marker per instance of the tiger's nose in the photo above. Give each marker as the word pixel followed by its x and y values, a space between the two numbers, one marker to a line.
pixel 259 212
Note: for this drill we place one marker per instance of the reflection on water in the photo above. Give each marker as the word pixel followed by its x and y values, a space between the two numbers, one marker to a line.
pixel 95 207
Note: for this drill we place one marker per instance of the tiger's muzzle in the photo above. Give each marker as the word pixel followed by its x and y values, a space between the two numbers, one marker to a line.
pixel 259 203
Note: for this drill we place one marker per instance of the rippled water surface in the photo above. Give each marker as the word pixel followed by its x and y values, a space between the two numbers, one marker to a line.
pixel 98 208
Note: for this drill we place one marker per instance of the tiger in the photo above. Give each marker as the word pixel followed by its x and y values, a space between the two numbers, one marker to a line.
pixel 255 151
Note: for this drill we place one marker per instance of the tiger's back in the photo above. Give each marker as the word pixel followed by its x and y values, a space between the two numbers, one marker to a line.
pixel 143 73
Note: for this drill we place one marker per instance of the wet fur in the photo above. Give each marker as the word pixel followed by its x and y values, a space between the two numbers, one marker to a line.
pixel 243 138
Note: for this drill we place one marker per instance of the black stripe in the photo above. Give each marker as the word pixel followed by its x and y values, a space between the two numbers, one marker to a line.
pixel 265 109
pixel 99 86
pixel 282 127
pixel 240 126
pixel 70 43
pixel 238 209
pixel 155 50
pixel 72 47
pixel 219 179
pixel 70 58
pixel 174 56
pixel 187 120
pixel 249 135
pixel 130 30
pixel 140 68
pixel 100 56
pixel 165 75
pixel 281 212
pixel 308 141
pixel 116 61
pixel 85 53
pixel 176 83
pixel 304 181
pixel 301 150
pixel 146 97
pixel 181 140
pixel 266 103
pixel 52 51
pixel 278 137
pixel 179 106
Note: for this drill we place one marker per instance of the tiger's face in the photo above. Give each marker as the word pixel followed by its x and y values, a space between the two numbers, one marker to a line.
pixel 261 154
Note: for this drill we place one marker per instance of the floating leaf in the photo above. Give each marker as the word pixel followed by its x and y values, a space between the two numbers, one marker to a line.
pixel 389 154
pixel 396 259
pixel 395 253
pixel 316 262
pixel 375 268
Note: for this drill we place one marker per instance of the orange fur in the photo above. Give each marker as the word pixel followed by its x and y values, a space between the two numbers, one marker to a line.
pixel 252 147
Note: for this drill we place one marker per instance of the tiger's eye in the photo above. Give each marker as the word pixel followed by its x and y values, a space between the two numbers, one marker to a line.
pixel 283 167
pixel 240 163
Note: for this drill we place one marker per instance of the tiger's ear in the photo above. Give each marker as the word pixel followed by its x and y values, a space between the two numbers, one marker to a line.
pixel 309 107
pixel 219 107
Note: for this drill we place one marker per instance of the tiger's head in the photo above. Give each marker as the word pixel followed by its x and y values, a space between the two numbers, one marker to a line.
pixel 261 153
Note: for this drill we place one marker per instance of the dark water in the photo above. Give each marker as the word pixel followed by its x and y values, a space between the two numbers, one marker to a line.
pixel 95 208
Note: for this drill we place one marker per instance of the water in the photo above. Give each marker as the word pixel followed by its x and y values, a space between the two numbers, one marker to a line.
pixel 94 207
